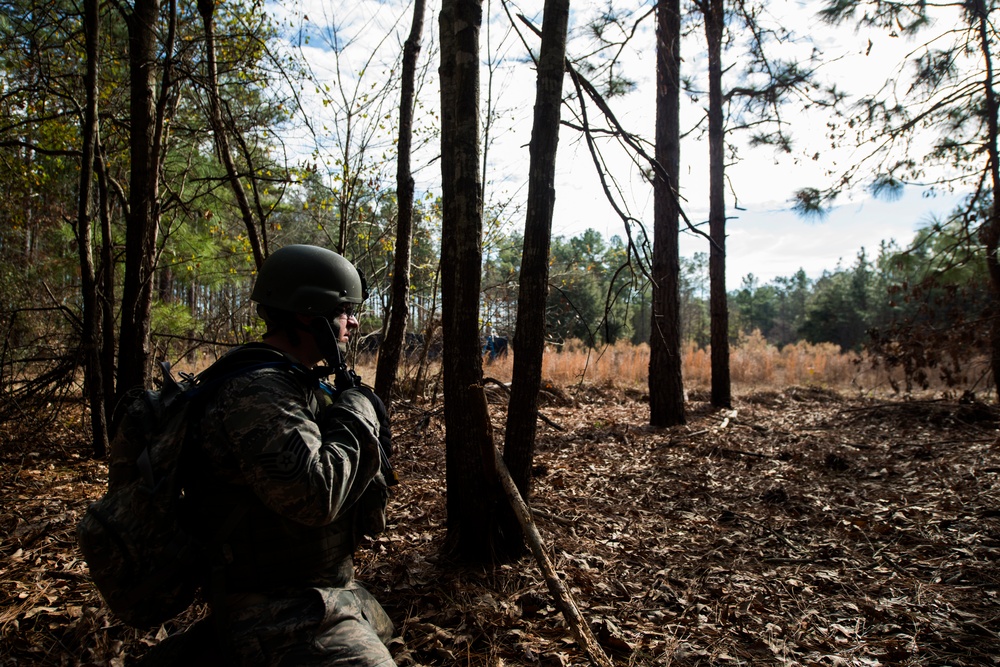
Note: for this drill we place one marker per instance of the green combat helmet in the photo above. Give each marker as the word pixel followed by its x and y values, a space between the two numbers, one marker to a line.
pixel 308 280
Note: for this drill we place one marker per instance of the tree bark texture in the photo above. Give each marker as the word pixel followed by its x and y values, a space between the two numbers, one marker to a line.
pixel 472 497
pixel 91 335
pixel 392 344
pixel 666 387
pixel 142 221
pixel 718 306
pixel 529 337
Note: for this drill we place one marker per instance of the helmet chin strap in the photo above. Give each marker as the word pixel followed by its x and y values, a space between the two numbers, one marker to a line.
pixel 329 347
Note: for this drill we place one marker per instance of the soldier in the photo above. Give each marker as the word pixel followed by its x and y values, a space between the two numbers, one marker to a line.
pixel 286 480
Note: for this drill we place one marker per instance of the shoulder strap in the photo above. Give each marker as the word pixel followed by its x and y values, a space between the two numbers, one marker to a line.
pixel 244 359
pixel 198 390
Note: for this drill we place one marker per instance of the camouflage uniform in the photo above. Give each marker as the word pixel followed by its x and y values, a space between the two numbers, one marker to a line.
pixel 279 487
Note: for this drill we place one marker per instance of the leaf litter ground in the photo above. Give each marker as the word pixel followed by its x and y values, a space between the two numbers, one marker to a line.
pixel 802 527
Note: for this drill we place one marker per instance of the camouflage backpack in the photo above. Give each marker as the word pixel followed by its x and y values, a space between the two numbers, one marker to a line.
pixel 144 562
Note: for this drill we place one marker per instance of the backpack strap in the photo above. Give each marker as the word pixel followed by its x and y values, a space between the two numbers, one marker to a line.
pixel 243 359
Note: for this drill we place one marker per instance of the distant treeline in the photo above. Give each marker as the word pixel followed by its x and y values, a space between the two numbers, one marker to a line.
pixel 922 306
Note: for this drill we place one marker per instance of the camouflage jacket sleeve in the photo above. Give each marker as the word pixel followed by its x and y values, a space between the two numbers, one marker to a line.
pixel 305 466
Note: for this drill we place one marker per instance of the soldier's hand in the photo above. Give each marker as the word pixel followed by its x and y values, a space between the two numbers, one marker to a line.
pixel 385 430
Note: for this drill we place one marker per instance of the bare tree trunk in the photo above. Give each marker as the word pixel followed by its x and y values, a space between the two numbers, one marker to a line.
pixel 107 291
pixel 991 231
pixel 473 494
pixel 529 336
pixel 142 221
pixel 714 11
pixel 207 10
pixel 90 336
pixel 429 333
pixel 392 342
pixel 666 387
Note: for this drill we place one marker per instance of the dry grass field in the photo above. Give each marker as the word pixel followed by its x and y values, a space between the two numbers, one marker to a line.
pixel 754 364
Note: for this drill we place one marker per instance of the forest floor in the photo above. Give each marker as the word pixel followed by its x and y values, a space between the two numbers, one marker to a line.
pixel 802 527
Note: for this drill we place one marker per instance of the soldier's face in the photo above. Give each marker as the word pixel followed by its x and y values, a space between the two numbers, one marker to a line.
pixel 344 324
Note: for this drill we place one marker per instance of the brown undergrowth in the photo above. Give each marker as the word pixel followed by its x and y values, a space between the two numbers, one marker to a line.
pixel 802 527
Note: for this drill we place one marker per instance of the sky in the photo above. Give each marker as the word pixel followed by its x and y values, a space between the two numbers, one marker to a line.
pixel 765 237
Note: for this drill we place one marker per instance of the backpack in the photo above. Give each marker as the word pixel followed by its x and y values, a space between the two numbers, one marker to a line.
pixel 145 563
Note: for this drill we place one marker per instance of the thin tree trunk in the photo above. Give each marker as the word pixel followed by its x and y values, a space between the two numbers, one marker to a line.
pixel 473 495
pixel 429 332
pixel 991 231
pixel 666 387
pixel 90 336
pixel 392 342
pixel 718 306
pixel 207 10
pixel 529 336
pixel 107 292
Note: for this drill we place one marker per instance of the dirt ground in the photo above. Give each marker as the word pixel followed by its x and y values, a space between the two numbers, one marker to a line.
pixel 802 527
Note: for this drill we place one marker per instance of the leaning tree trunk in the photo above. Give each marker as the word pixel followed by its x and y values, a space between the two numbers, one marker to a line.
pixel 718 306
pixel 472 488
pixel 666 387
pixel 207 10
pixel 143 214
pixel 529 336
pixel 392 342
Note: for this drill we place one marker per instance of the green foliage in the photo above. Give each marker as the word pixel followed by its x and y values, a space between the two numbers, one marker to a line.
pixel 924 308
pixel 753 307
pixel 609 30
pixel 593 293
pixel 597 295
pixel 837 311
pixel 501 270
pixel 574 306
pixel 838 308
pixel 203 250
pixel 172 318
pixel 941 306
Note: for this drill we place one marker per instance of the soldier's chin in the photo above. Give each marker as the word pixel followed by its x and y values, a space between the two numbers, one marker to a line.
pixel 343 348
